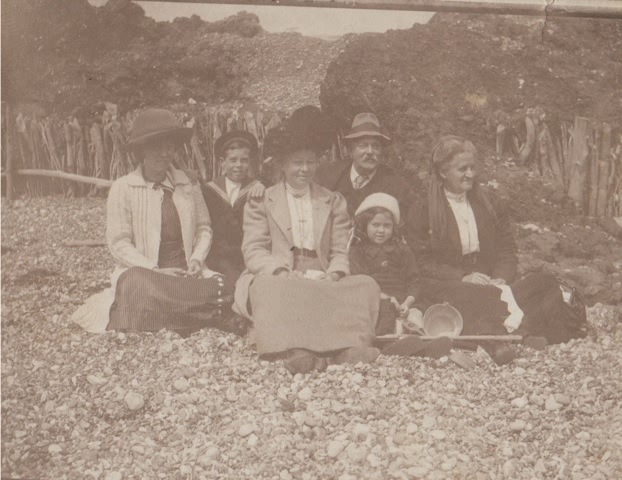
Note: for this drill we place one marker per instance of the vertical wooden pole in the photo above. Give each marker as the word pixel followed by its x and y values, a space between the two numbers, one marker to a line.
pixel 579 162
pixel 594 157
pixel 603 174
pixel 9 155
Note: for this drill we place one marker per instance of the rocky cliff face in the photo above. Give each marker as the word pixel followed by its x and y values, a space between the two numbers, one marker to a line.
pixel 462 74
pixel 62 56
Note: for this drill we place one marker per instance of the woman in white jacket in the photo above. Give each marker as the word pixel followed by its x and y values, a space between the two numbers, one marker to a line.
pixel 158 232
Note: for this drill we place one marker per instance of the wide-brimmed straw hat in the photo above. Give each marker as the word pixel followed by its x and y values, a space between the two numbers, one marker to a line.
pixel 366 125
pixel 383 200
pixel 154 124
pixel 223 142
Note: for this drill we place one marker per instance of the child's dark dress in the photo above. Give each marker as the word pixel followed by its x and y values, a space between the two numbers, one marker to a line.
pixel 392 265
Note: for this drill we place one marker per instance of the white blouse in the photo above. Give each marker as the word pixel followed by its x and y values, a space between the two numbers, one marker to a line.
pixel 465 219
pixel 301 214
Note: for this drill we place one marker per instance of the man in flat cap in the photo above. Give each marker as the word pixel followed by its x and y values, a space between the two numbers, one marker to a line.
pixel 365 173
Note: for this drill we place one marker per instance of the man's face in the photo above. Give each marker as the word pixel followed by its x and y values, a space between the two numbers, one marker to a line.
pixel 366 153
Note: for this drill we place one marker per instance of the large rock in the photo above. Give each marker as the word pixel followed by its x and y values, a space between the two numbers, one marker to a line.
pixel 464 74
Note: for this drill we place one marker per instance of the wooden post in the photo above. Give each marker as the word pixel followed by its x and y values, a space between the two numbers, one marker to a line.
pixel 71 158
pixel 566 149
pixel 10 148
pixel 100 155
pixel 579 162
pixel 197 155
pixel 603 171
pixel 501 134
pixel 530 141
pixel 594 157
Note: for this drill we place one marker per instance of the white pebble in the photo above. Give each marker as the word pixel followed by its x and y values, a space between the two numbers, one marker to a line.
pixel 357 378
pixel 417 472
pixel 95 380
pixel 449 464
pixel 562 399
pixel 134 401
pixel 551 403
pixel 334 448
pixel 360 432
pixel 373 460
pixel 55 448
pixel 411 428
pixel 583 435
pixel 305 394
pixel 252 440
pixel 438 434
pixel 428 422
pixel 517 426
pixel 181 384
pixel 114 476
pixel 246 429
pixel 519 402
pixel 356 454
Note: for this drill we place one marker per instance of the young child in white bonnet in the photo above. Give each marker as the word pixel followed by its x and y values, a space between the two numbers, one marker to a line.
pixel 379 250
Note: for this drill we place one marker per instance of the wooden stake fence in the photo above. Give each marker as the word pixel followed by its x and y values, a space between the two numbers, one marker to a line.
pixel 584 160
pixel 93 152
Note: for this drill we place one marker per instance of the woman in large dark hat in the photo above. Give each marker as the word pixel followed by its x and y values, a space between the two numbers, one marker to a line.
pixel 158 232
pixel 304 305
pixel 463 242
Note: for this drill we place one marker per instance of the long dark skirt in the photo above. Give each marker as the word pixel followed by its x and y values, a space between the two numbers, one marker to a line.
pixel 538 295
pixel 149 301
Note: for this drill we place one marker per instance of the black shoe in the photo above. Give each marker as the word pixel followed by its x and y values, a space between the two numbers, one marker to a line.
pixel 235 324
pixel 500 353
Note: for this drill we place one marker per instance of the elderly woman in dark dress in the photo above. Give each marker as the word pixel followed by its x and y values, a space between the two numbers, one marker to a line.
pixel 304 305
pixel 158 232
pixel 466 254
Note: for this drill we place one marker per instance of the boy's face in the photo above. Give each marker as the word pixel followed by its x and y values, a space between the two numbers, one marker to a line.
pixel 236 163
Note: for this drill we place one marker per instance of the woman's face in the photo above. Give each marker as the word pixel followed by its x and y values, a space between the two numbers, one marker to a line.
pixel 299 168
pixel 158 155
pixel 458 176
pixel 380 228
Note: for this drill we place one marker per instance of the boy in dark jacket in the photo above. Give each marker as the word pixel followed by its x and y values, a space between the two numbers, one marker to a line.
pixel 225 197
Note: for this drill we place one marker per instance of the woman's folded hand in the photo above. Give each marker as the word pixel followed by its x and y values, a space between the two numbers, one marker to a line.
pixel 171 271
pixel 477 278
pixel 331 277
pixel 194 268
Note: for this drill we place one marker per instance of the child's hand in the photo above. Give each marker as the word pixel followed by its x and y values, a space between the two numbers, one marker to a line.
pixel 395 303
pixel 405 307
pixel 257 191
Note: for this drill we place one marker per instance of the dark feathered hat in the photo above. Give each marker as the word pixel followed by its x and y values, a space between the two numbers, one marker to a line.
pixel 306 129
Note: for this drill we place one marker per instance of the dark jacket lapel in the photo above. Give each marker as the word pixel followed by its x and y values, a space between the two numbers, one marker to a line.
pixel 453 233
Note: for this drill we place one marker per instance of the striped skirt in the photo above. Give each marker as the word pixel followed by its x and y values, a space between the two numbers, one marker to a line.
pixel 149 301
